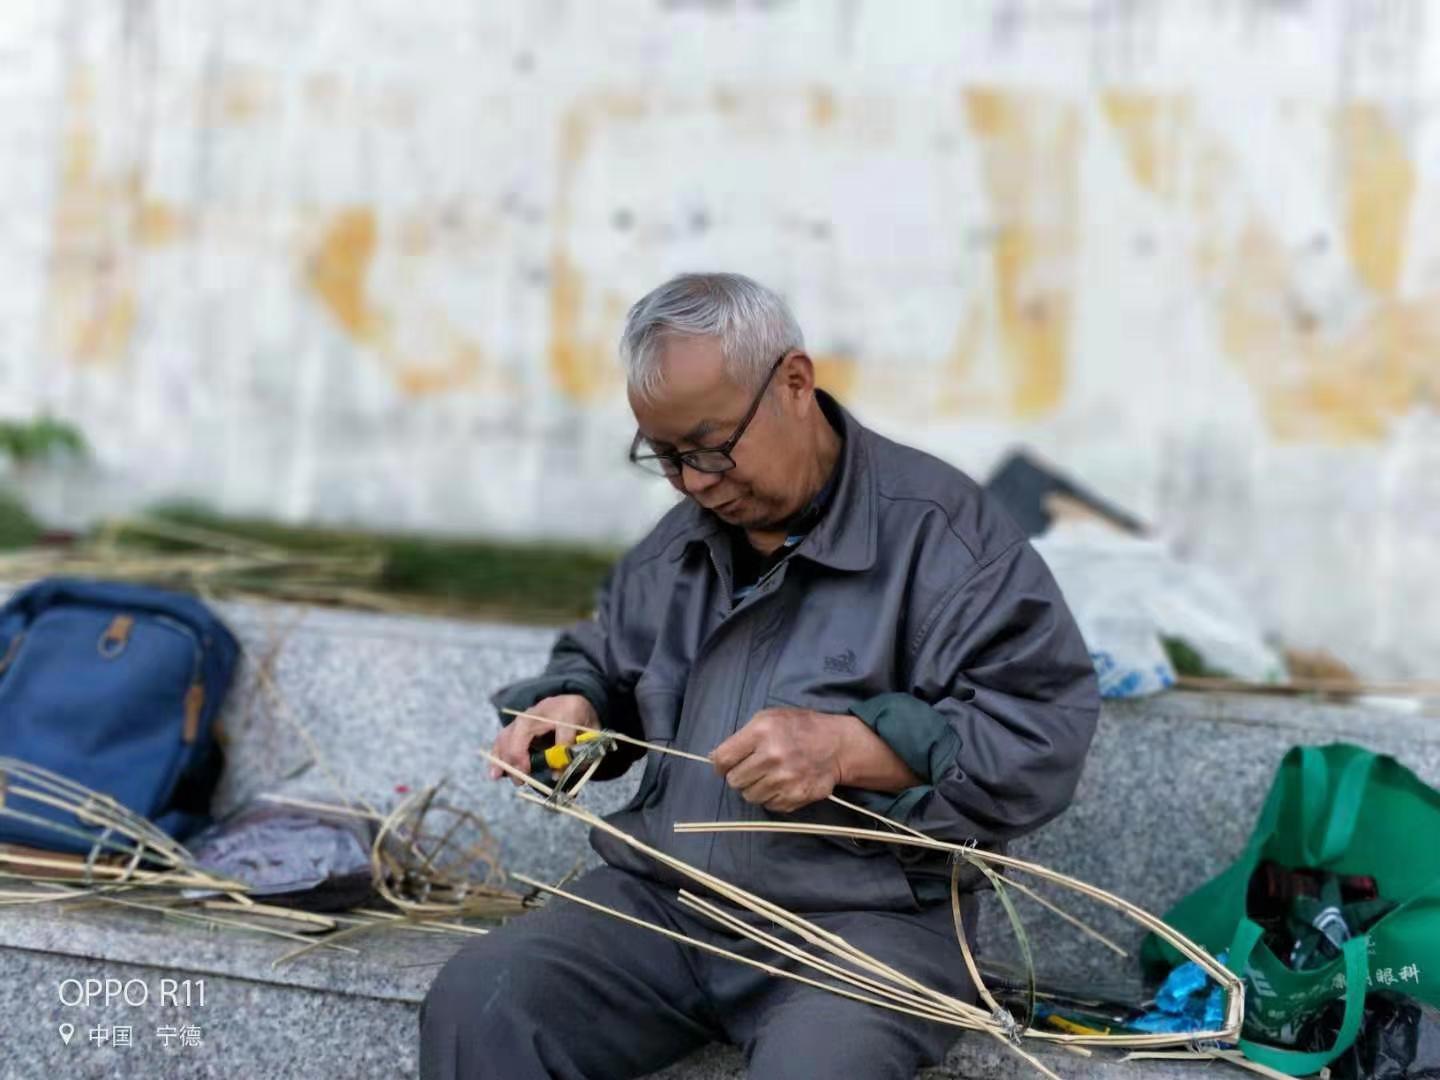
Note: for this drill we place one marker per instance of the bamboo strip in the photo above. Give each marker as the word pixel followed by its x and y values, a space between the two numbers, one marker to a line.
pixel 1226 978
pixel 916 1004
pixel 87 804
pixel 1083 927
pixel 326 942
pixel 271 911
pixel 168 878
pixel 1232 1057
pixel 1231 983
pixel 970 966
pixel 717 950
pixel 794 923
pixel 618 735
pixel 319 807
pixel 740 927
pixel 837 800
pixel 888 822
pixel 789 920
pixel 212 920
pixel 405 922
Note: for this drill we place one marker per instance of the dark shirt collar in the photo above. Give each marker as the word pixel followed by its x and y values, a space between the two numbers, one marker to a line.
pixel 844 536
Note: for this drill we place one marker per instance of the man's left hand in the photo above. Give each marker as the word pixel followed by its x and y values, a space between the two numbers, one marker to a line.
pixel 784 759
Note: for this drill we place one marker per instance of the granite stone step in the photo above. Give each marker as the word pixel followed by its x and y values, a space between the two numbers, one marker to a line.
pixel 1169 794
pixel 327 1014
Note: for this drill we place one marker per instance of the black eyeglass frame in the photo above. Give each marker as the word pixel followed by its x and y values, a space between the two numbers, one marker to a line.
pixel 671 463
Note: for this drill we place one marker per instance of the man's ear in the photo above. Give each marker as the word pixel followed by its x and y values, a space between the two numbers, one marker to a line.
pixel 797 377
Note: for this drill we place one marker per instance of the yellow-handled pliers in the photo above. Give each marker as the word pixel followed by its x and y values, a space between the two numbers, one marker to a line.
pixel 568 763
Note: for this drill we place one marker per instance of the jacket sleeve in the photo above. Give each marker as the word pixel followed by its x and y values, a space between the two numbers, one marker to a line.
pixel 584 661
pixel 1000 710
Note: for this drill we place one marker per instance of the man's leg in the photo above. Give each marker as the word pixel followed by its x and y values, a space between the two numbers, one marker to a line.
pixel 567 992
pixel 789 1030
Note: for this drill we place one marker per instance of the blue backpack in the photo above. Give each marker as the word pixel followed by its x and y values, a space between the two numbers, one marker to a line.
pixel 115 687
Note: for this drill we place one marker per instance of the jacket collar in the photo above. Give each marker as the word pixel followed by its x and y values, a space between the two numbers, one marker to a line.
pixel 845 537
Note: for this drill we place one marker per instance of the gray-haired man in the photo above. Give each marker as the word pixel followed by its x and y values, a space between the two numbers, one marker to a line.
pixel 826 611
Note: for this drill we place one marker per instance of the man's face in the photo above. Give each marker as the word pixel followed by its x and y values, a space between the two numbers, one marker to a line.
pixel 699 405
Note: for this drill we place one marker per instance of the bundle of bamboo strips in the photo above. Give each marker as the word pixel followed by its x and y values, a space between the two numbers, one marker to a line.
pixel 433 881
pixel 853 973
pixel 215 562
pixel 431 858
pixel 126 850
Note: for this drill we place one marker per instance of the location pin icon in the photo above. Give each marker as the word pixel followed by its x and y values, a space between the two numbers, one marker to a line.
pixel 67 1032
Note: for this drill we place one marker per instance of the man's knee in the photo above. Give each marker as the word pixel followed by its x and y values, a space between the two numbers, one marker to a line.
pixel 817 1034
pixel 478 1003
pixel 487 978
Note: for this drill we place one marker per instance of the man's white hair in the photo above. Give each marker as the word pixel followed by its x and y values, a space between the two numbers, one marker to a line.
pixel 753 324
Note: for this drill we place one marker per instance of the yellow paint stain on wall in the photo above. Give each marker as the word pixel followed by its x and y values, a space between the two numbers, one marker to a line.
pixel 78 160
pixel 574 139
pixel 1313 381
pixel 955 392
pixel 724 100
pixel 338 273
pixel 1317 380
pixel 620 105
pixel 1319 385
pixel 990 112
pixel 1357 386
pixel 1379 179
pixel 821 106
pixel 835 374
pixel 1148 127
pixel 105 333
pixel 157 223
pixel 240 96
pixel 1030 163
pixel 100 221
pixel 457 370
pixel 338 270
pixel 1253 295
pixel 582 367
pixel 583 329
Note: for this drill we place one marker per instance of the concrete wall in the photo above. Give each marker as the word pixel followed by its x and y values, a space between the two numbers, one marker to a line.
pixel 365 261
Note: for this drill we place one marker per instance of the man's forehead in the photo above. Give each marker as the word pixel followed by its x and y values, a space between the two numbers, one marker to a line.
pixel 695 392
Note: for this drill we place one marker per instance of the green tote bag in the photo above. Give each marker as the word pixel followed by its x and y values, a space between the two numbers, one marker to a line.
pixel 1343 809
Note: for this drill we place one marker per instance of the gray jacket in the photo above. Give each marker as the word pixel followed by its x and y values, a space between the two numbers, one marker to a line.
pixel 915 603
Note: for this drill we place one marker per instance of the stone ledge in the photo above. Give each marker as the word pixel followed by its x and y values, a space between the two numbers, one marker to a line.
pixel 1168 797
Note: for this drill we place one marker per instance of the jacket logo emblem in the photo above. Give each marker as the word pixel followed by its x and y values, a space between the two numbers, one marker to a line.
pixel 842 663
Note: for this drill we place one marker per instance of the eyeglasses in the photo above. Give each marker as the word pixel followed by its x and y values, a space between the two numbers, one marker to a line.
pixel 705 459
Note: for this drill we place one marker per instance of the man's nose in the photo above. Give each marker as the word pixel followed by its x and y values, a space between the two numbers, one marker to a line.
pixel 692 481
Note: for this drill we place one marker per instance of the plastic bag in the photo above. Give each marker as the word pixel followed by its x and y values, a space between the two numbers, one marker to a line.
pixel 1127 593
pixel 1188 1000
pixel 292 856
pixel 1400 1041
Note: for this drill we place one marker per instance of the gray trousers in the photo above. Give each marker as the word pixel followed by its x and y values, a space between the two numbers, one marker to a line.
pixel 572 993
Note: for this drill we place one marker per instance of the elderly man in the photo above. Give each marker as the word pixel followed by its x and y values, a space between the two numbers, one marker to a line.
pixel 824 611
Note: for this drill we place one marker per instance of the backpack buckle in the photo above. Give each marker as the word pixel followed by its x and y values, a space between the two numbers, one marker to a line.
pixel 116 636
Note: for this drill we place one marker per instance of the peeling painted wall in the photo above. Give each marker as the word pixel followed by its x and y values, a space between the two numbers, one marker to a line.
pixel 367 261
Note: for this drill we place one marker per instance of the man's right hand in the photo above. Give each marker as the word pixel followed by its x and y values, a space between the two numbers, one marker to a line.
pixel 512 746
